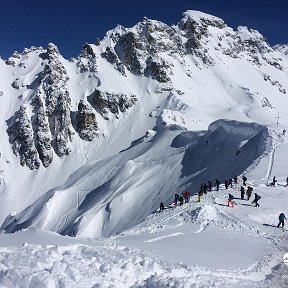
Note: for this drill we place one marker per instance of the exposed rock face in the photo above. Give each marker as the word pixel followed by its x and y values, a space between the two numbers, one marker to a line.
pixel 86 124
pixel 129 45
pixel 281 48
pixel 21 137
pixel 137 49
pixel 57 100
pixel 42 132
pixel 51 123
pixel 158 70
pixel 12 60
pixel 87 60
pixel 113 59
pixel 275 83
pixel 105 102
pixel 15 84
pixel 150 50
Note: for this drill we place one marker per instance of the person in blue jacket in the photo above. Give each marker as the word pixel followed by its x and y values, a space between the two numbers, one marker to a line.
pixel 281 220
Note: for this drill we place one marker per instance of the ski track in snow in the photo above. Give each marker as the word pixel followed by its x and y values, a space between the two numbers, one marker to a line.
pixel 167 236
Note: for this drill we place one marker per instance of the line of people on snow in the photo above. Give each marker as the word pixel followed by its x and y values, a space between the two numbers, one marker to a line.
pixel 204 188
pixel 242 193
pixel 248 193
pixel 183 198
pixel 178 199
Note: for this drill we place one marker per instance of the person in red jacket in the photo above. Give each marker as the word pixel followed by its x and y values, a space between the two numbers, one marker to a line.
pixel 231 200
pixel 186 196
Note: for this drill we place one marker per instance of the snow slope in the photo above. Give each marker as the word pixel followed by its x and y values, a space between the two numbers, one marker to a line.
pixel 197 245
pixel 107 170
pixel 164 109
pixel 132 179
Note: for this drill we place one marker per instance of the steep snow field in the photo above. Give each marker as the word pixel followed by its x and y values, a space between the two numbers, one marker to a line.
pixel 131 184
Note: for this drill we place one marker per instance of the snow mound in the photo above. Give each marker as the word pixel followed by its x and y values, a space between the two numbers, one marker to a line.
pixel 202 214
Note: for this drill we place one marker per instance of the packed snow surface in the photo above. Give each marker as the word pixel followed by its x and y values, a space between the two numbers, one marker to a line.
pixel 195 245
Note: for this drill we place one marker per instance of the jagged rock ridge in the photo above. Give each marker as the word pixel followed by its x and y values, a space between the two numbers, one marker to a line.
pixel 149 50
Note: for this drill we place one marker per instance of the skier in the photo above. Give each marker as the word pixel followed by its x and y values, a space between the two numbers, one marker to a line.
pixel 161 207
pixel 283 132
pixel 286 182
pixel 249 192
pixel 209 186
pixel 273 181
pixel 188 196
pixel 244 178
pixel 230 182
pixel 242 190
pixel 230 200
pixel 226 183
pixel 181 199
pixel 257 198
pixel 205 187
pixel 217 184
pixel 281 220
pixel 176 198
pixel 235 179
pixel 200 193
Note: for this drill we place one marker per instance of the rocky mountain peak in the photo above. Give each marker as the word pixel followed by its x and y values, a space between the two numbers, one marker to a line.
pixel 192 17
pixel 52 51
pixel 150 51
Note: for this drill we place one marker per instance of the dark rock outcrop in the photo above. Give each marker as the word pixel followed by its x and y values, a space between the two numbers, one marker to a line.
pixel 105 102
pixel 41 131
pixel 87 60
pixel 86 124
pixel 21 137
pixel 57 102
pixel 129 45
pixel 113 59
pixel 158 70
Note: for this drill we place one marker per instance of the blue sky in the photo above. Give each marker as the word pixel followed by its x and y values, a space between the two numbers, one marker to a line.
pixel 69 24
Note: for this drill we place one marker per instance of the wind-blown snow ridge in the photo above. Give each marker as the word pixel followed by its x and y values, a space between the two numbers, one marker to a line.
pixel 76 208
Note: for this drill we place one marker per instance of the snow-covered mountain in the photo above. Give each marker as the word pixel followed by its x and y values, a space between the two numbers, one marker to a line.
pixel 90 146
